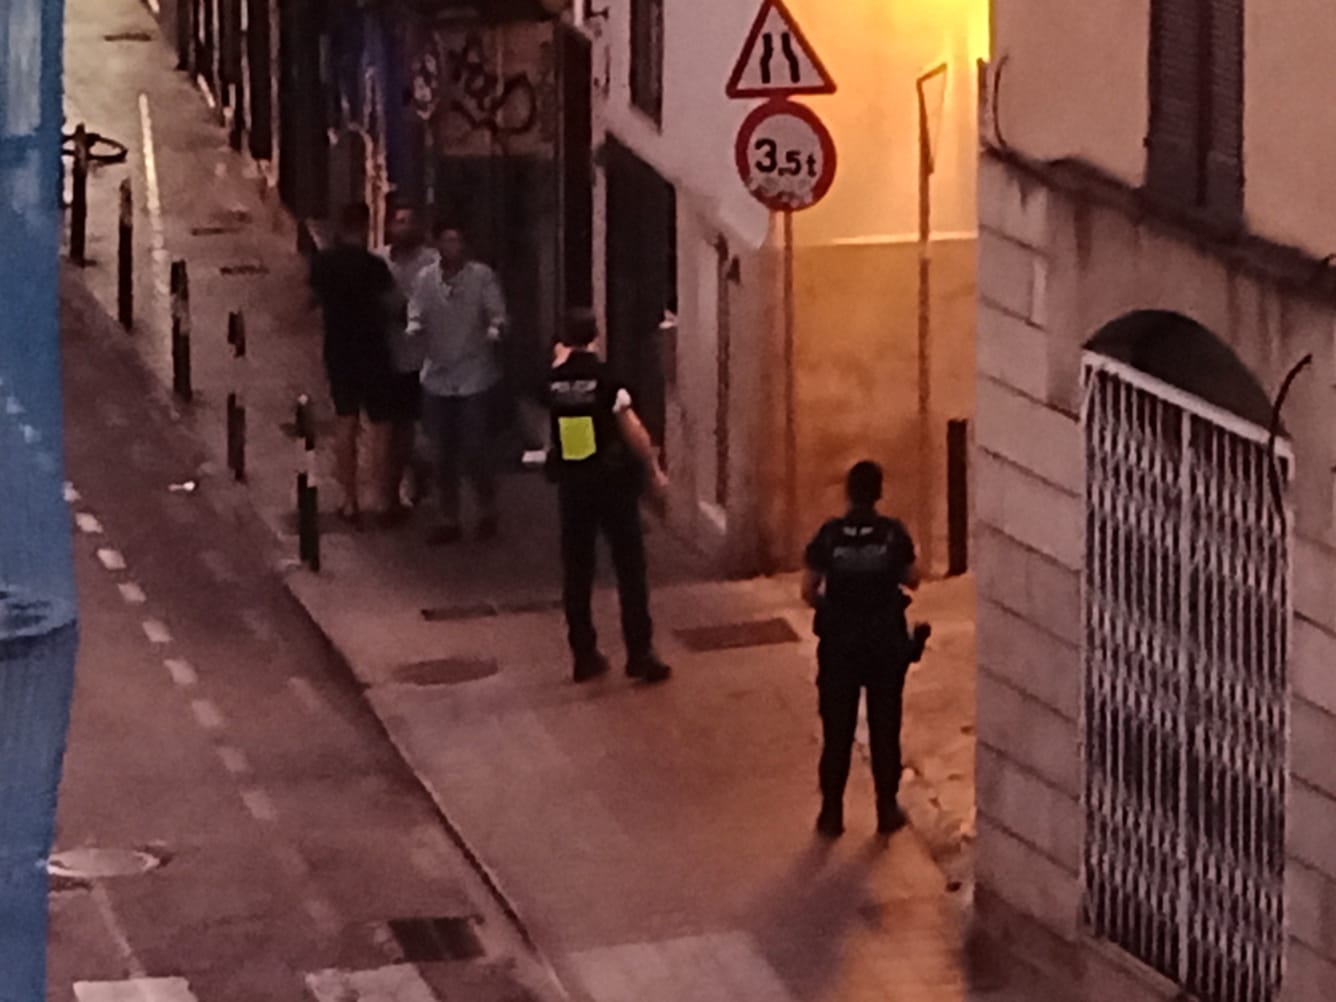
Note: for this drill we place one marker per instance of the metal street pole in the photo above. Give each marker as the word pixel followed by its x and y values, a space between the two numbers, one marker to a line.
pixel 927 164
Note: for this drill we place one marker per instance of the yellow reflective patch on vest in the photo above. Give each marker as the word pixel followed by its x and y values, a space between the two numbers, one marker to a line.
pixel 578 442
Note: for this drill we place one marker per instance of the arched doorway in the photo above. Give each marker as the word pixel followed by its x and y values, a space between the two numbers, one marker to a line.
pixel 1187 612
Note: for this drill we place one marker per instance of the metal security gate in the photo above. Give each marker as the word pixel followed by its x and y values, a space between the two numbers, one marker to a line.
pixel 1187 608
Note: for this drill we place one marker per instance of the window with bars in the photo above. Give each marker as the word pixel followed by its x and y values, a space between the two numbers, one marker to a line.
pixel 1185 716
pixel 647 57
pixel 1195 141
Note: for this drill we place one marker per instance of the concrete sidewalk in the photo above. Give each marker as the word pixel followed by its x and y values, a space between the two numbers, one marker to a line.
pixel 656 842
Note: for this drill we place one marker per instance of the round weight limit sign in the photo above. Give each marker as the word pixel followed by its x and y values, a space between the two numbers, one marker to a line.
pixel 785 156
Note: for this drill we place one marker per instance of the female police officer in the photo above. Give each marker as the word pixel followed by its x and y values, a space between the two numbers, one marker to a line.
pixel 855 568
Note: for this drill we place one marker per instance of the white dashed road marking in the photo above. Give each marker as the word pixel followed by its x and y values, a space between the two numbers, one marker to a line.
pixel 153 199
pixel 183 672
pixel 132 593
pixel 208 715
pixel 260 805
pixel 111 559
pixel 234 760
pixel 399 983
pixel 71 495
pixel 259 625
pixel 157 632
pixel 293 862
pixel 88 524
pixel 326 919
pixel 306 694
pixel 136 990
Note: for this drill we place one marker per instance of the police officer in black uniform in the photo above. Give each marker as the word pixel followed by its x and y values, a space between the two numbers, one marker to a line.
pixel 856 566
pixel 602 459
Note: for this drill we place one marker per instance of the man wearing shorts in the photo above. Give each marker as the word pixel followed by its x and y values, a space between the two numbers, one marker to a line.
pixel 355 290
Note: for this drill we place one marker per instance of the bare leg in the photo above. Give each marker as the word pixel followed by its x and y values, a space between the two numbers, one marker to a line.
pixel 381 438
pixel 345 461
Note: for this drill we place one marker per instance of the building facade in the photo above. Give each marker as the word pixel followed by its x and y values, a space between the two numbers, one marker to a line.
pixel 1155 527
pixel 688 270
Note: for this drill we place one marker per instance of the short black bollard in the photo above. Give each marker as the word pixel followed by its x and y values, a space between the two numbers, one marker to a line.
pixel 957 497
pixel 180 287
pixel 236 400
pixel 125 258
pixel 308 491
pixel 79 199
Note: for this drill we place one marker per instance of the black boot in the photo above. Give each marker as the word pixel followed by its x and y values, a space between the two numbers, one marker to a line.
pixel 589 666
pixel 830 822
pixel 890 818
pixel 647 668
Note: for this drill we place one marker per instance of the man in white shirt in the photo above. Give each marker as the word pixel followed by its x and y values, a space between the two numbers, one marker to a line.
pixel 458 312
pixel 408 255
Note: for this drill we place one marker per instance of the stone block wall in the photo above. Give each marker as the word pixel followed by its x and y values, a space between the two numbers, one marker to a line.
pixel 1054 267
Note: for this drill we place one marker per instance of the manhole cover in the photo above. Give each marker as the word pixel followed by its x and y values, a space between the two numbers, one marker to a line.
pixel 433 940
pixel 128 36
pixel 729 636
pixel 446 671
pixel 230 270
pixel 84 865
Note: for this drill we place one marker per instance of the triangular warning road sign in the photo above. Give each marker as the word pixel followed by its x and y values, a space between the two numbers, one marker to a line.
pixel 777 60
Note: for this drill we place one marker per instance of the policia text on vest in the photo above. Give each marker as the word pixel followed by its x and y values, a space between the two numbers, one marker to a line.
pixel 602 459
pixel 856 567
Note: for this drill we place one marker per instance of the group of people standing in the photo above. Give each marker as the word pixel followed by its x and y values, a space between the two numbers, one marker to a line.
pixel 412 334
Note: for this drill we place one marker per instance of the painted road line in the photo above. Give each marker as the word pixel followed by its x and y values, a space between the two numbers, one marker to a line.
pixel 260 806
pixel 71 495
pixel 136 990
pixel 326 919
pixel 153 200
pixel 12 406
pixel 153 7
pixel 111 559
pixel 234 760
pixel 117 931
pixel 398 983
pixel 88 524
pixel 157 632
pixel 30 434
pixel 183 672
pixel 207 714
pixel 306 694
pixel 132 593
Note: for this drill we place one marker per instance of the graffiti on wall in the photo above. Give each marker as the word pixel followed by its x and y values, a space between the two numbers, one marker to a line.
pixel 488 90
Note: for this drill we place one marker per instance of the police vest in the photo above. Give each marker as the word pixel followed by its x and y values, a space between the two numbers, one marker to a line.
pixel 585 436
pixel 865 567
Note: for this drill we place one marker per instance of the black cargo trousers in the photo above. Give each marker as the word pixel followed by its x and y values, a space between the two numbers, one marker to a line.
pixel 607 504
pixel 846 667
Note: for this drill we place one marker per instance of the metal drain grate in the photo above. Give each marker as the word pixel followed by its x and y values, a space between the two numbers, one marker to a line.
pixel 446 671
pixel 730 636
pixel 433 940
pixel 128 36
pixel 231 270
pixel 213 231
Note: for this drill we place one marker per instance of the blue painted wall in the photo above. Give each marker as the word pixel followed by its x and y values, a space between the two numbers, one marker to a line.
pixel 37 597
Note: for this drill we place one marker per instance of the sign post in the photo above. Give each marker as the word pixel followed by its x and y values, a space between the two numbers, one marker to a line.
pixel 786 159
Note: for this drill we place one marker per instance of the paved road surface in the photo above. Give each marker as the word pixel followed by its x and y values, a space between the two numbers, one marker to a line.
pixel 213 728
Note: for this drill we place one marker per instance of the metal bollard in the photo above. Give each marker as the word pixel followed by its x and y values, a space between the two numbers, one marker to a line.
pixel 180 286
pixel 79 199
pixel 125 258
pixel 308 491
pixel 236 400
pixel 957 497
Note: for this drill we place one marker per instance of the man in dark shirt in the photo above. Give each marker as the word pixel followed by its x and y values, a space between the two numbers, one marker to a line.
pixel 601 457
pixel 856 566
pixel 355 290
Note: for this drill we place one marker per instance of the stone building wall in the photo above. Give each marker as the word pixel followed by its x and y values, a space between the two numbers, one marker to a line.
pixel 1056 263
